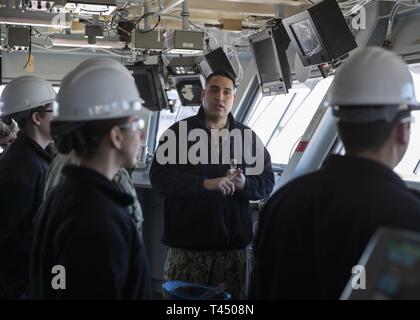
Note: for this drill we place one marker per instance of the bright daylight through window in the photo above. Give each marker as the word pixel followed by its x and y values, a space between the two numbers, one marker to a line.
pixel 280 121
pixel 409 167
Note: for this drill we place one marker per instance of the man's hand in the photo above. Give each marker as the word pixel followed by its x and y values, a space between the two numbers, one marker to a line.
pixel 222 184
pixel 237 177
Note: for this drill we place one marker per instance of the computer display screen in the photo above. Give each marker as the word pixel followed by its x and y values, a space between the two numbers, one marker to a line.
pixel 189 92
pixel 392 267
pixel 265 56
pixel 218 60
pixel 320 33
pixel 399 276
pixel 150 86
pixel 306 37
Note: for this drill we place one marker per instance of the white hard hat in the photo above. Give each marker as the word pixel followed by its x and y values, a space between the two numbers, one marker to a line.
pixel 25 93
pixel 376 80
pixel 97 89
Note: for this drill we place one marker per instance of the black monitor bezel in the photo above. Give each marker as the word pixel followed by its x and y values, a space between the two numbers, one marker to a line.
pixel 181 98
pixel 153 70
pixel 218 54
pixel 261 36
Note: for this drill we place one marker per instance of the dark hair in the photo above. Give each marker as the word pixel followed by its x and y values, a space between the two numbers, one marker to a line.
pixel 22 117
pixel 222 73
pixel 4 130
pixel 82 137
pixel 367 136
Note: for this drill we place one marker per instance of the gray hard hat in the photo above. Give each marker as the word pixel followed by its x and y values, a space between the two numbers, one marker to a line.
pixel 25 93
pixel 97 89
pixel 373 85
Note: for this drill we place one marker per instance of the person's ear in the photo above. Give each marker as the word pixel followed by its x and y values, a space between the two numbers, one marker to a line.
pixel 36 118
pixel 115 138
pixel 402 132
pixel 203 92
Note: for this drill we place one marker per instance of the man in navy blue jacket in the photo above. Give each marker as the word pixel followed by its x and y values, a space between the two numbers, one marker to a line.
pixel 208 167
pixel 314 229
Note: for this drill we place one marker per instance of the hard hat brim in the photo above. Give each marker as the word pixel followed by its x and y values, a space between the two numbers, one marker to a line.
pixel 372 113
pixel 27 108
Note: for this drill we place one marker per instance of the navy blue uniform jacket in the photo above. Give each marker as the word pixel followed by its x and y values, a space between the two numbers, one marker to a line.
pixel 314 229
pixel 84 226
pixel 22 176
pixel 198 219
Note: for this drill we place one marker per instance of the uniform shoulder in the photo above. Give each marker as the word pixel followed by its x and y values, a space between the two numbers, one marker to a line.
pixel 92 212
pixel 92 199
pixel 21 164
pixel 304 180
pixel 303 186
pixel 242 126
pixel 187 121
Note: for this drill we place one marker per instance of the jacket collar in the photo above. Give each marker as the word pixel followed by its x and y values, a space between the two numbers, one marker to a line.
pixel 201 117
pixel 362 167
pixel 86 175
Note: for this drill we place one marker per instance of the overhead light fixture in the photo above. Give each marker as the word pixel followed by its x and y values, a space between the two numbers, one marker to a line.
pixel 35 18
pixel 89 9
pixel 79 40
pixel 184 42
pixel 95 2
pixel 184 51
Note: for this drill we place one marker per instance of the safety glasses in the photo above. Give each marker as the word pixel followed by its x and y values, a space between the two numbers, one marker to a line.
pixel 136 125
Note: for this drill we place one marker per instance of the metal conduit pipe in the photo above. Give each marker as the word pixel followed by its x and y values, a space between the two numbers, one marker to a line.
pixel 185 15
pixel 279 11
pixel 147 17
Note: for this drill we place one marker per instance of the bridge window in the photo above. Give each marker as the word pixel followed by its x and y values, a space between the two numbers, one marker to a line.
pixel 280 121
pixel 409 167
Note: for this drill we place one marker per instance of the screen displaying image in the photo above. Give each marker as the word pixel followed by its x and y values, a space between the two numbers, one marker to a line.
pixel 399 276
pixel 306 37
pixel 264 56
pixel 189 92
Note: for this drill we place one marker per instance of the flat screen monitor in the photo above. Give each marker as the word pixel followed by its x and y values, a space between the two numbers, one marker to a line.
pixel 306 37
pixel 150 86
pixel 389 268
pixel 269 53
pixel 189 92
pixel 218 60
pixel 265 55
pixel 320 33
